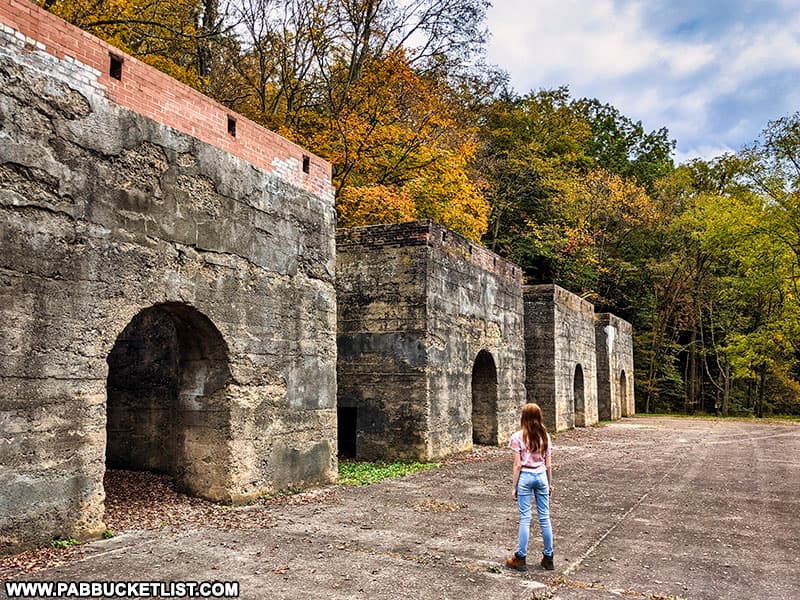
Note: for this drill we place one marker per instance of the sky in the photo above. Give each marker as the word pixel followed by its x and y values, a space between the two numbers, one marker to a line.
pixel 714 72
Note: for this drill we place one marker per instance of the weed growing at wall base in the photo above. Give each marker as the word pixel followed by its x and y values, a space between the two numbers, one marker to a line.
pixel 364 473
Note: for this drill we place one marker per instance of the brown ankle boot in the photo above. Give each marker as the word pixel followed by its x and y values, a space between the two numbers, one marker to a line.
pixel 516 562
pixel 547 562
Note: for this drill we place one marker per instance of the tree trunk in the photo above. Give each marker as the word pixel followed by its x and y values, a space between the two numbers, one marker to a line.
pixel 208 28
pixel 691 374
pixel 749 397
pixel 762 379
pixel 726 389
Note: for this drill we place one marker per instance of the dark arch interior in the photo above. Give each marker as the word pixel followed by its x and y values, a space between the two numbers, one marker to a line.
pixel 578 397
pixel 166 406
pixel 623 394
pixel 484 399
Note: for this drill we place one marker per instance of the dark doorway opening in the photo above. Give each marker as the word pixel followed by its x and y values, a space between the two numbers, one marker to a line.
pixel 484 399
pixel 579 402
pixel 348 431
pixel 623 394
pixel 166 403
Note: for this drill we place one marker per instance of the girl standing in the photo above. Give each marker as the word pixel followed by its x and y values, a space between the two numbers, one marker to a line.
pixel 533 477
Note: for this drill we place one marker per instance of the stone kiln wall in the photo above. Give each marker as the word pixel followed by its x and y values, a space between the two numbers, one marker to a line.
pixel 474 303
pixel 614 345
pixel 381 287
pixel 560 337
pixel 416 305
pixel 106 214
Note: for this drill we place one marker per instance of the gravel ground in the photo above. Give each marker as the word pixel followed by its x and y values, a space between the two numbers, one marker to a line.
pixel 646 507
pixel 142 501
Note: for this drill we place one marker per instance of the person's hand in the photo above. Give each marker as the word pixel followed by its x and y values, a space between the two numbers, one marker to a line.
pixel 514 492
pixel 551 490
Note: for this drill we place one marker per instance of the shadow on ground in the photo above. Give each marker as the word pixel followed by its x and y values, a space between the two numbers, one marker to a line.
pixel 643 508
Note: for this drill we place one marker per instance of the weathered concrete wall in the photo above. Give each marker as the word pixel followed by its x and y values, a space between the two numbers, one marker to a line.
pixel 614 344
pixel 474 305
pixel 560 356
pixel 540 349
pixel 417 304
pixel 381 286
pixel 107 217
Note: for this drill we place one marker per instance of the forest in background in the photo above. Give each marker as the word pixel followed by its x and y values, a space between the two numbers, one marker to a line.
pixel 703 258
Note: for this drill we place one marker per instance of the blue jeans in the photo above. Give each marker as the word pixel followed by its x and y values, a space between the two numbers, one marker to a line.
pixel 534 484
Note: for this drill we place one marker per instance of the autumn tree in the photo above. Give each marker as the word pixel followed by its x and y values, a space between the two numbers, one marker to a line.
pixel 723 327
pixel 558 207
pixel 532 148
pixel 402 140
pixel 376 87
pixel 175 36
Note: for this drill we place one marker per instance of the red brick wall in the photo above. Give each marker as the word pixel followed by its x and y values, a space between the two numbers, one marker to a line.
pixel 153 94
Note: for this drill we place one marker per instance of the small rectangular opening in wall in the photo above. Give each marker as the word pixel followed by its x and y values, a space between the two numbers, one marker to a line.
pixel 347 425
pixel 115 66
pixel 306 163
pixel 231 126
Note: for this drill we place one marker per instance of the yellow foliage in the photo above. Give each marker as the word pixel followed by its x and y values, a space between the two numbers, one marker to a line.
pixel 401 152
pixel 606 202
pixel 371 205
pixel 443 191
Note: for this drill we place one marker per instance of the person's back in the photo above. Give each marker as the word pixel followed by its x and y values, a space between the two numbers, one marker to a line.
pixel 532 477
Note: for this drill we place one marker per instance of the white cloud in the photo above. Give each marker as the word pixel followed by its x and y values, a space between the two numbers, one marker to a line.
pixel 713 79
pixel 587 41
pixel 704 151
pixel 763 50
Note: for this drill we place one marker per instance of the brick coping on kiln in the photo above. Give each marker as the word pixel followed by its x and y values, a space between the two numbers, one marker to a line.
pixel 143 89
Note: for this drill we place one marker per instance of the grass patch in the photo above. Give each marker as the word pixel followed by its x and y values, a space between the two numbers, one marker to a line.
pixel 494 569
pixel 364 473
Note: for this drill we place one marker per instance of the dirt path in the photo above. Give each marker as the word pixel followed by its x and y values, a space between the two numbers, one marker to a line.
pixel 643 508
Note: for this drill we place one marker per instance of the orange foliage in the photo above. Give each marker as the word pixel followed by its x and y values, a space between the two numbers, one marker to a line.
pixel 370 205
pixel 401 151
pixel 444 192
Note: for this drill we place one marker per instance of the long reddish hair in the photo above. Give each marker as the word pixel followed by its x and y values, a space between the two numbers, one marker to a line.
pixel 534 432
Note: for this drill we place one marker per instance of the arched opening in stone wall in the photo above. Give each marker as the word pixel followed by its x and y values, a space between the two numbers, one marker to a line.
pixel 484 399
pixel 623 394
pixel 166 399
pixel 578 398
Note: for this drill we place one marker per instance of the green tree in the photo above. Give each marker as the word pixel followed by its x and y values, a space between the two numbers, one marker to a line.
pixel 623 147
pixel 532 151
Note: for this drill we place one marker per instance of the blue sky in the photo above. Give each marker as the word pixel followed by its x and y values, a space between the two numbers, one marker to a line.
pixel 713 72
